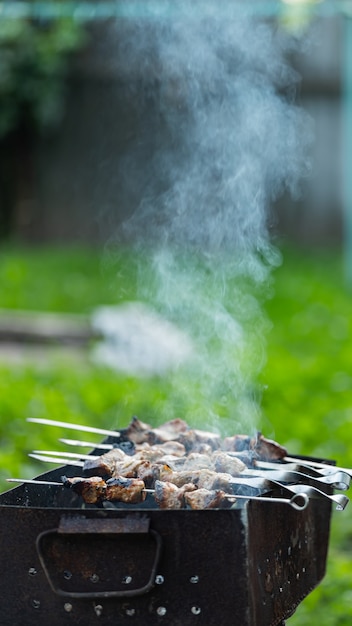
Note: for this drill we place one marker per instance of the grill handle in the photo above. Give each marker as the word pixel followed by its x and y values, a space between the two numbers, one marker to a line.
pixel 75 525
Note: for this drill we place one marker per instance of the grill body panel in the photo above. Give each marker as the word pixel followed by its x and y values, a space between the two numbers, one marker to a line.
pixel 139 566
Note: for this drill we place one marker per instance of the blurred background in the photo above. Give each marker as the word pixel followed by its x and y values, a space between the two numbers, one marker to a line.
pixel 68 116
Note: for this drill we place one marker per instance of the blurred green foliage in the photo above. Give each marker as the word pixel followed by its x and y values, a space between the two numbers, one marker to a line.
pixel 307 380
pixel 34 57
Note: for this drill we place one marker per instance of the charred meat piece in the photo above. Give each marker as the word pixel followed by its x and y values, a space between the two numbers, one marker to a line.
pixel 94 489
pixel 128 490
pixel 266 449
pixel 140 432
pixel 236 443
pixel 201 478
pixel 169 496
pixel 149 473
pixel 105 464
pixel 195 460
pixel 248 457
pixel 193 439
pixel 91 490
pixel 223 462
pixel 208 499
pixel 130 467
pixel 155 452
pixel 218 461
pixel 169 431
pixel 136 431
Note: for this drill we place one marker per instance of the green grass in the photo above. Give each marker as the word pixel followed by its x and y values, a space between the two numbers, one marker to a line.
pixel 307 379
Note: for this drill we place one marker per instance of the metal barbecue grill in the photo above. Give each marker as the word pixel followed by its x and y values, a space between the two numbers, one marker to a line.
pixel 248 565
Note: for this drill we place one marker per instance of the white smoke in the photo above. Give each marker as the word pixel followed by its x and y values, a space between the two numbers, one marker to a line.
pixel 222 140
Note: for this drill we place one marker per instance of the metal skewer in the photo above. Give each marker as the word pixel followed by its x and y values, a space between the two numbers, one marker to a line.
pixel 32 481
pixel 79 427
pixel 337 480
pixel 298 501
pixel 318 465
pixel 68 455
pixel 57 460
pixel 257 482
pixel 87 444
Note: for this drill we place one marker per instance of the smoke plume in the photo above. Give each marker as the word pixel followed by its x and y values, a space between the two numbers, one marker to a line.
pixel 221 140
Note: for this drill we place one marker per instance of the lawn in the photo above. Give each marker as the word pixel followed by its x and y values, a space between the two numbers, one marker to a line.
pixel 306 381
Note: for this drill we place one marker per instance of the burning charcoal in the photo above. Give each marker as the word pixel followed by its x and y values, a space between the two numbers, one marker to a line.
pixel 208 499
pixel 92 489
pixel 169 496
pixel 128 490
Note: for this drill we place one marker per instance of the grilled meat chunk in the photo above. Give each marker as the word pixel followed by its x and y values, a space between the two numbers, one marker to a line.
pixel 236 443
pixel 121 489
pixel 169 496
pixel 92 489
pixel 105 464
pixel 223 462
pixel 156 451
pixel 208 499
pixel 201 478
pixel 170 431
pixel 136 431
pixel 265 449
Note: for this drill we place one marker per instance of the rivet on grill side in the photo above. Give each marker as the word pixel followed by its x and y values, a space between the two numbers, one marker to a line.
pixel 67 575
pixel 127 580
pixel 94 578
pixel 68 607
pixel 195 610
pixel 159 579
pixel 32 571
pixel 194 579
pixel 161 610
pixel 35 604
pixel 130 612
pixel 98 609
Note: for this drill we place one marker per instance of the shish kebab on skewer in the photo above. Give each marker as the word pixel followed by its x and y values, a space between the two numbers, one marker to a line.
pixel 241 441
pixel 181 466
